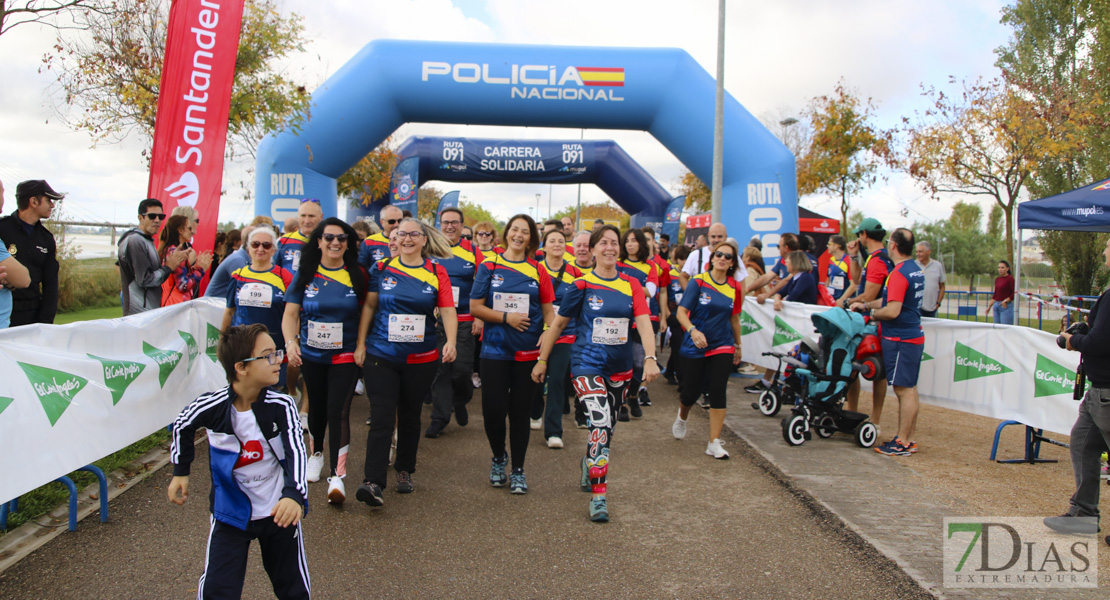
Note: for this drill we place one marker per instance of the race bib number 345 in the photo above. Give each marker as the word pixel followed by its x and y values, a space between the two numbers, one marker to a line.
pixel 510 303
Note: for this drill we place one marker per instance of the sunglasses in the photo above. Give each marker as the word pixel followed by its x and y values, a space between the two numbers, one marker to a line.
pixel 312 200
pixel 484 234
pixel 391 221
pixel 411 234
pixel 331 237
pixel 274 358
pixel 467 237
pixel 153 216
pixel 724 255
pixel 263 245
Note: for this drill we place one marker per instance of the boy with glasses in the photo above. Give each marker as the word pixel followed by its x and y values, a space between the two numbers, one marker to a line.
pixel 141 273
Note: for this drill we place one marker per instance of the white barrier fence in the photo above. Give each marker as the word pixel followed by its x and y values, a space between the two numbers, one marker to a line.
pixel 73 394
pixel 996 371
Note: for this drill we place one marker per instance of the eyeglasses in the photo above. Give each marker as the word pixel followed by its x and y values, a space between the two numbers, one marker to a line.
pixel 391 221
pixel 466 237
pixel 312 200
pixel 263 245
pixel 484 234
pixel 724 255
pixel 274 358
pixel 411 234
pixel 331 237
pixel 450 222
pixel 153 216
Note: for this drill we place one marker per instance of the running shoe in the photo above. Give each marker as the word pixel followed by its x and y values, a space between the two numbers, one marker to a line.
pixel 670 377
pixel 585 484
pixel 645 399
pixel 911 447
pixel 622 415
pixel 369 494
pixel 434 429
pixel 315 465
pixel 1069 523
pixel 555 442
pixel 517 484
pixel 756 387
pixel 404 482
pixel 703 401
pixel 497 472
pixel 476 380
pixel 893 448
pixel 599 510
pixel 715 449
pixel 535 424
pixel 336 493
pixel 634 408
pixel 462 416
pixel 304 421
pixel 679 427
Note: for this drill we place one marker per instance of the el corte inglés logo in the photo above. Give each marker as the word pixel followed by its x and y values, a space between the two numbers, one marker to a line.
pixel 972 364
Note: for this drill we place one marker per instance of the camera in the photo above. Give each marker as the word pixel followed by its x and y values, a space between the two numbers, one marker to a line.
pixel 1076 328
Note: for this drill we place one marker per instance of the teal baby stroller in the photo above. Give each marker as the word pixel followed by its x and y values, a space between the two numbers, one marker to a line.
pixel 824 382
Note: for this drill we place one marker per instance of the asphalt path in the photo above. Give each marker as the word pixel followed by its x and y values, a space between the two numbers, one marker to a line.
pixel 683 526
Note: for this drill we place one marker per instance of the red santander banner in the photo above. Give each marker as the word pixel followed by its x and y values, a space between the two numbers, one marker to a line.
pixel 190 130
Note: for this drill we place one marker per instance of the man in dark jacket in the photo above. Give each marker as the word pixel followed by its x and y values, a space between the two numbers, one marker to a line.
pixel 33 246
pixel 141 273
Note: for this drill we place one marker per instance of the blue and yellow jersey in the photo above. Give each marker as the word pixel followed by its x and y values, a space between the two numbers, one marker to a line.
pixel 461 269
pixel 645 273
pixel 674 288
pixel 562 283
pixel 905 284
pixel 404 327
pixel 711 307
pixel 839 276
pixel 330 310
pixel 289 251
pixel 373 249
pixel 604 309
pixel 508 286
pixel 259 297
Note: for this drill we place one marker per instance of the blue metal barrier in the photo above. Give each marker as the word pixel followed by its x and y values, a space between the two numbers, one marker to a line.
pixel 13 506
pixel 1033 439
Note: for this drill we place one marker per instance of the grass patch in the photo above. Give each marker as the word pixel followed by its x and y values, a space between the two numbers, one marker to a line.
pixel 1049 325
pixel 42 500
pixel 111 311
pixel 86 283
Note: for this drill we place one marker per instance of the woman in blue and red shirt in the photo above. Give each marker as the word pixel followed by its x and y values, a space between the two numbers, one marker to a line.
pixel 710 314
pixel 397 348
pixel 634 262
pixel 602 305
pixel 512 294
pixel 320 325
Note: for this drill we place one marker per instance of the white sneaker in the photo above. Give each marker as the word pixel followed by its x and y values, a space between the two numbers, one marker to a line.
pixel 315 465
pixel 554 442
pixel 536 424
pixel 476 380
pixel 304 421
pixel 748 369
pixel 679 427
pixel 359 388
pixel 336 494
pixel 715 450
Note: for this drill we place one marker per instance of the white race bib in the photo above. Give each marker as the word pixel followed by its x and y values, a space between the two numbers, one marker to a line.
pixel 325 336
pixel 837 283
pixel 455 294
pixel 610 332
pixel 510 303
pixel 256 295
pixel 406 328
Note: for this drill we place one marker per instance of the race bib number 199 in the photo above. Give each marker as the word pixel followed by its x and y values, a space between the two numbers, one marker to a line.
pixel 256 295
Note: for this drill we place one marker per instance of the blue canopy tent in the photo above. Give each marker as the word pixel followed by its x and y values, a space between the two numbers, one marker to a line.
pixel 1083 209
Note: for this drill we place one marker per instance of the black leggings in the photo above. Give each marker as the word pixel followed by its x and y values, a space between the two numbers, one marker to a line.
pixel 507 390
pixel 601 397
pixel 677 335
pixel 330 388
pixel 713 372
pixel 396 392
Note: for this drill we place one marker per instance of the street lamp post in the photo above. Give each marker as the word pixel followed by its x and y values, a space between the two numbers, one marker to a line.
pixel 538 206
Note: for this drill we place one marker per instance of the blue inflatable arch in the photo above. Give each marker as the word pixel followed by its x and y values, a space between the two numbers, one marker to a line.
pixel 600 162
pixel 659 90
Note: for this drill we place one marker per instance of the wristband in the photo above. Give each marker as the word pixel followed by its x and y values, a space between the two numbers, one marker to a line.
pixel 652 357
pixel 291 342
pixel 541 360
pixel 504 317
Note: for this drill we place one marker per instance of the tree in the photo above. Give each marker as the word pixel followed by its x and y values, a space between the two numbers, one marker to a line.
pixel 476 213
pixel 994 223
pixel 791 127
pixel 427 202
pixel 369 179
pixel 965 217
pixel 1077 260
pixel 846 150
pixel 19 12
pixel 698 195
pixel 960 235
pixel 111 74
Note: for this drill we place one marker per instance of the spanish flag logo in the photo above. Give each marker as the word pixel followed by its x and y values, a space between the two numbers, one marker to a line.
pixel 1104 186
pixel 606 76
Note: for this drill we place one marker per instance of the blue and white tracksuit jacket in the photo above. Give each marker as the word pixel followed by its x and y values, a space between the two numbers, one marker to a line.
pixel 277 417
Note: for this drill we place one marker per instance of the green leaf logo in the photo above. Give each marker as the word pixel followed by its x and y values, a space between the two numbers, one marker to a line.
pixel 784 334
pixel 193 349
pixel 165 359
pixel 748 324
pixel 54 388
pixel 4 402
pixel 972 364
pixel 212 341
pixel 1051 378
pixel 118 375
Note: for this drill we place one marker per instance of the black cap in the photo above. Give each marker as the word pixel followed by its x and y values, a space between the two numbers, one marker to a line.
pixel 33 188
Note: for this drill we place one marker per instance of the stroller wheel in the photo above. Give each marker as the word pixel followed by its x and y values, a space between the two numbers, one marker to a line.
pixel 866 434
pixel 794 429
pixel 825 426
pixel 873 368
pixel 769 403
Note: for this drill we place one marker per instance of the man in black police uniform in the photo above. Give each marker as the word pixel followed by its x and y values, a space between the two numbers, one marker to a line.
pixel 1090 436
pixel 33 246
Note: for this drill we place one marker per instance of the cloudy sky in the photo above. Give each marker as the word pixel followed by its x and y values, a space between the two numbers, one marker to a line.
pixel 778 56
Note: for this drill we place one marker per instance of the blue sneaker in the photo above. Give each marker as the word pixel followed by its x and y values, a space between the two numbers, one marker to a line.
pixel 599 510
pixel 497 472
pixel 586 487
pixel 517 485
pixel 894 447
